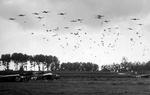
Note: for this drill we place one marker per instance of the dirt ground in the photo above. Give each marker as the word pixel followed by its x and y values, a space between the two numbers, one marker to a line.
pixel 103 86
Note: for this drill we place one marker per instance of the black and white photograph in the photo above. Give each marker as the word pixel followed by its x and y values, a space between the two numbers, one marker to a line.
pixel 74 47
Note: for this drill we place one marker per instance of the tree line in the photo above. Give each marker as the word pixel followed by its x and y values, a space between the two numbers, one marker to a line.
pixel 126 66
pixel 52 63
pixel 79 66
pixel 43 62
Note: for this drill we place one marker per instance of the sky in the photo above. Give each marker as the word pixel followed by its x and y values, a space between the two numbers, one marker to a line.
pixel 72 31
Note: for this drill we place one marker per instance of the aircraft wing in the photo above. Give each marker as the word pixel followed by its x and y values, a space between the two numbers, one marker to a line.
pixel 13 75
pixel 143 76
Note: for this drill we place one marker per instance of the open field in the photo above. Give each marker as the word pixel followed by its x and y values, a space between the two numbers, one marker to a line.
pixel 79 86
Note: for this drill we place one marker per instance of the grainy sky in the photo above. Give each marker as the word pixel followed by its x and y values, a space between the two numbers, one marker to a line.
pixel 71 30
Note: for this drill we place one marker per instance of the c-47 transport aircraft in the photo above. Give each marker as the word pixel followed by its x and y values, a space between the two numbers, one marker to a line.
pixel 26 76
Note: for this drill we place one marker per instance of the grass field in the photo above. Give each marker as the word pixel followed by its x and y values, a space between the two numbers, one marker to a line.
pixel 79 86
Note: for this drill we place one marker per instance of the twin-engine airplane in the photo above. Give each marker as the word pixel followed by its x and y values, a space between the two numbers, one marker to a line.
pixel 27 76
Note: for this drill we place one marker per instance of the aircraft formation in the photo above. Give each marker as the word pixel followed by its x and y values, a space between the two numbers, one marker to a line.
pixel 108 36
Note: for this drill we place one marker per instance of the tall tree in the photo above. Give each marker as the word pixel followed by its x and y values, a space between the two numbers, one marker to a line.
pixel 6 58
pixel 32 62
pixel 24 60
pixel 48 60
pixel 15 59
pixel 19 58
pixel 39 59
pixel 95 67
pixel 63 66
pixel 55 64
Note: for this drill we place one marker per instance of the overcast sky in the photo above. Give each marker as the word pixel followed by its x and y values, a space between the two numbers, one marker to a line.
pixel 72 32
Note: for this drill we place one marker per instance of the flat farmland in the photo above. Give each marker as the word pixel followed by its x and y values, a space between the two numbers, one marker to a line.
pixel 79 86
